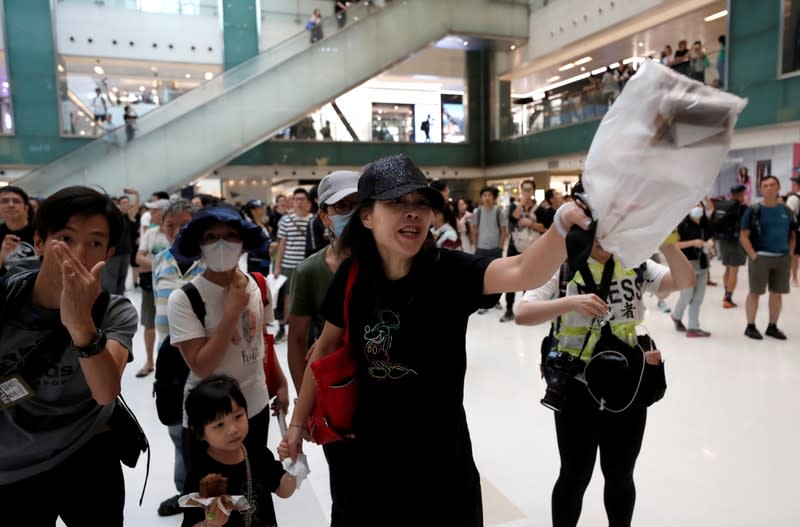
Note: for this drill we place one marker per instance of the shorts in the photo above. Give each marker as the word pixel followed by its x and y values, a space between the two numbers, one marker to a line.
pixel 772 271
pixel 732 253
pixel 99 117
pixel 288 273
pixel 148 311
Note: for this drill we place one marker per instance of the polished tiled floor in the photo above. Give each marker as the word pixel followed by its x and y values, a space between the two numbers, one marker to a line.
pixel 721 450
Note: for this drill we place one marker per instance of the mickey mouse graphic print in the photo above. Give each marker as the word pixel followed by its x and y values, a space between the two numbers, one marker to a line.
pixel 408 338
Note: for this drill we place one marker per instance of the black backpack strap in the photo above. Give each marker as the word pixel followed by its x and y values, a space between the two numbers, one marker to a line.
pixel 198 306
pixel 601 291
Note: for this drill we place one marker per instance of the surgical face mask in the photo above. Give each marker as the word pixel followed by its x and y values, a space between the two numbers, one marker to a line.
pixel 339 222
pixel 696 213
pixel 222 256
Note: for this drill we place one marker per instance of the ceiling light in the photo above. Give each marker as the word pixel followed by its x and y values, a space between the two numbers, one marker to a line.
pixel 115 89
pixel 584 60
pixel 141 88
pixel 188 75
pixel 513 47
pixel 641 44
pixel 615 65
pixel 466 42
pixel 153 69
pixel 583 69
pixel 553 78
pixel 396 107
pixel 61 68
pixel 99 70
pixel 209 75
pixel 566 67
pixel 628 60
pixel 5 84
pixel 598 71
pixel 715 16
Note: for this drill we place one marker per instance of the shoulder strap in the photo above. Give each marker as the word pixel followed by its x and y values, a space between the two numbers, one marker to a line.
pixel 478 215
pixel 262 285
pixel 497 211
pixel 198 306
pixel 605 282
pixel 563 273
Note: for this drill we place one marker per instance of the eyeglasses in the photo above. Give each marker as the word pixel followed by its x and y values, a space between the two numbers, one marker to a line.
pixel 343 206
pixel 527 189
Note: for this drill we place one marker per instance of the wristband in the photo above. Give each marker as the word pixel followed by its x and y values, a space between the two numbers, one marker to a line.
pixel 557 222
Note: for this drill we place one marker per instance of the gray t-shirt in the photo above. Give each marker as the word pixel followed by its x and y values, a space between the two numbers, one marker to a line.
pixel 488 227
pixel 41 432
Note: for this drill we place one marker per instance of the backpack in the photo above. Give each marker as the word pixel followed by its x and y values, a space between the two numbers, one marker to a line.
pixel 425 126
pixel 755 223
pixel 726 219
pixel 172 370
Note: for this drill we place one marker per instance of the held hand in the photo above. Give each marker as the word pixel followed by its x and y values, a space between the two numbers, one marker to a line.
pixel 589 305
pixel 10 244
pixel 652 357
pixel 294 441
pixel 281 402
pixel 574 214
pixel 283 450
pixel 235 296
pixel 79 290
pixel 214 516
pixel 525 222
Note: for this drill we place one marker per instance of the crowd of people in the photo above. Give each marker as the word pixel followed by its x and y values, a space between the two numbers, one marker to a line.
pixel 382 242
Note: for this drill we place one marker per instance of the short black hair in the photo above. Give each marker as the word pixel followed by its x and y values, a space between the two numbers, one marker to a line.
pixel 161 195
pixel 301 190
pixel 56 211
pixel 528 181
pixel 211 399
pixel 495 192
pixel 548 194
pixel 722 39
pixel 763 179
pixel 16 190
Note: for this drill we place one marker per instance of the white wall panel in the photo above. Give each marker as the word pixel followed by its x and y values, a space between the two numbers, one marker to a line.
pixel 91 31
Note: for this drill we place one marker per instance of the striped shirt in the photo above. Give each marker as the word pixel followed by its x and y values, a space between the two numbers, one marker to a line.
pixel 166 278
pixel 292 228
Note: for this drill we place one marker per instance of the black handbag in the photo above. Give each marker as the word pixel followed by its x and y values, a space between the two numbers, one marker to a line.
pixel 129 438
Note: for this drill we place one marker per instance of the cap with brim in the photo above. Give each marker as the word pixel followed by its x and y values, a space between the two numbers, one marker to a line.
pixel 338 185
pixel 187 244
pixel 393 177
pixel 157 204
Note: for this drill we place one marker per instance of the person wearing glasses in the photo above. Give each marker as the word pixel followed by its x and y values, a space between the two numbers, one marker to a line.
pixel 410 348
pixel 312 278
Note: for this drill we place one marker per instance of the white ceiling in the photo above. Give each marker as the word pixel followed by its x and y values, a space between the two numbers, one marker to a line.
pixel 690 27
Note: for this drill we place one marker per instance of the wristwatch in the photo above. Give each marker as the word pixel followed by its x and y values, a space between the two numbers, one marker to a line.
pixel 94 347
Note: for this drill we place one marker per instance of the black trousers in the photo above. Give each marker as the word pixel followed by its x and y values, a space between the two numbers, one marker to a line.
pixel 511 295
pixel 87 489
pixel 582 429
pixel 340 463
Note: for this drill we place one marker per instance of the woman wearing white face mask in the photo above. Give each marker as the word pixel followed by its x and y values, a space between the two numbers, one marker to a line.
pixel 228 339
pixel 694 231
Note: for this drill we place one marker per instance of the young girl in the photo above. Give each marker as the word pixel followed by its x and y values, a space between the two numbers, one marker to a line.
pixel 217 412
pixel 444 229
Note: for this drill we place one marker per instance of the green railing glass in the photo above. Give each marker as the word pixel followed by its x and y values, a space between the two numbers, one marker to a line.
pixel 230 114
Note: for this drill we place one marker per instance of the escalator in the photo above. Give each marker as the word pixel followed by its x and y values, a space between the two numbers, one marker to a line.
pixel 207 127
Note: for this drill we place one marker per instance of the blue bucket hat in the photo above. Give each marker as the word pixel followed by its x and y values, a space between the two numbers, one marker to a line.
pixel 187 245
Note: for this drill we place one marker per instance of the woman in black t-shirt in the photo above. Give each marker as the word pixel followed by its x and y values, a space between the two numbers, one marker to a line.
pixel 410 348
pixel 693 232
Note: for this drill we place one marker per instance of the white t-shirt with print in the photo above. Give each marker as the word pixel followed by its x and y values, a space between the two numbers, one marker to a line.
pixel 244 360
pixel 624 297
pixel 153 242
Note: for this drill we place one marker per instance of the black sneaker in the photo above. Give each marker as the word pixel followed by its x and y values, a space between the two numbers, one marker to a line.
pixel 281 334
pixel 170 507
pixel 753 333
pixel 774 332
pixel 678 325
pixel 482 311
pixel 507 317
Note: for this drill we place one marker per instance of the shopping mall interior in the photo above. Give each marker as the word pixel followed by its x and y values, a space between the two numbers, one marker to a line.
pixel 239 100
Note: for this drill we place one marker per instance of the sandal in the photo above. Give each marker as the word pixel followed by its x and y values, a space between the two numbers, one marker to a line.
pixel 144 372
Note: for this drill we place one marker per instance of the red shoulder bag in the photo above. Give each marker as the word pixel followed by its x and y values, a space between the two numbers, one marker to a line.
pixel 337 385
pixel 270 360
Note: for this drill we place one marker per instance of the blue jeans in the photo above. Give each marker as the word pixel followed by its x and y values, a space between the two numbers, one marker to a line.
pixel 693 298
pixel 179 472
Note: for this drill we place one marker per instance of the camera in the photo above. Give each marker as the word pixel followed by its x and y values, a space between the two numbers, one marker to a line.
pixel 559 368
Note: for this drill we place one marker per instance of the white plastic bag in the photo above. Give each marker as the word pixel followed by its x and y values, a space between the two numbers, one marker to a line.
pixel 656 153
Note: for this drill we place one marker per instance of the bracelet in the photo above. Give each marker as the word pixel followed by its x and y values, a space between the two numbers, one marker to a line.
pixel 296 426
pixel 557 222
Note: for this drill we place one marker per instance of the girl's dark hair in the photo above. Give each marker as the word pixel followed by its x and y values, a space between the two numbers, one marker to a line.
pixel 210 400
pixel 56 211
pixel 449 216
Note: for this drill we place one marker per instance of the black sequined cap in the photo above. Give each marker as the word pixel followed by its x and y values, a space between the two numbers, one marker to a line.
pixel 395 176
